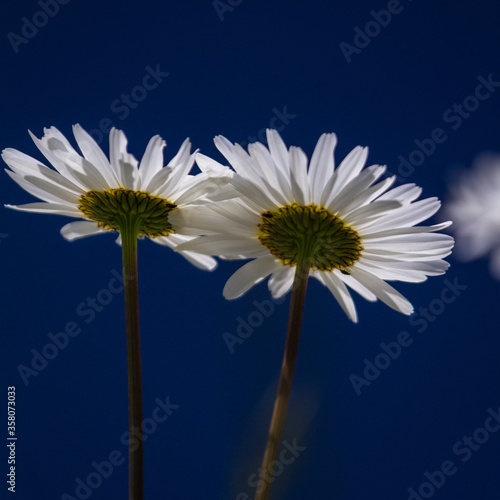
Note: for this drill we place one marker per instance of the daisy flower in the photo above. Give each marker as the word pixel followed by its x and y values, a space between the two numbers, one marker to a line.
pixel 474 207
pixel 100 191
pixel 119 194
pixel 356 232
pixel 338 225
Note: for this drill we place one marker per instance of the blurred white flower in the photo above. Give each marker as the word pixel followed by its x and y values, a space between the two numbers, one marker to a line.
pixel 474 208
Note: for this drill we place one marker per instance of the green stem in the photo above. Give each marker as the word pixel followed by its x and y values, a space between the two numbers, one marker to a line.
pixel 130 282
pixel 285 383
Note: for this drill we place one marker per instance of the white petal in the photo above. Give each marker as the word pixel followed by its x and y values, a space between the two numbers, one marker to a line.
pixel 55 185
pixel 357 287
pixel 382 290
pixel 54 140
pixel 425 268
pixel 180 165
pixel 198 220
pixel 224 193
pixel 406 193
pixel 408 237
pixel 249 275
pixel 25 165
pixel 273 180
pixel 59 165
pixel 80 229
pixel 123 163
pixel 350 167
pixel 237 157
pixel 373 232
pixel 152 160
pixel 322 164
pixel 397 255
pixel 369 213
pixel 385 272
pixel 223 245
pixel 68 162
pixel 90 177
pixel 94 154
pixel 47 208
pixel 250 191
pixel 281 281
pixel 204 262
pixel 183 155
pixel 278 150
pixel 368 195
pixel 159 181
pixel 22 163
pixel 358 192
pixel 237 212
pixel 207 165
pixel 409 215
pixel 263 155
pixel 298 176
pixel 340 292
pixel 44 191
pixel 199 190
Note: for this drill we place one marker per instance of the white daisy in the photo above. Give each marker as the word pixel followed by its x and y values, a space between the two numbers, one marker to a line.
pixel 474 207
pixel 359 233
pixel 101 191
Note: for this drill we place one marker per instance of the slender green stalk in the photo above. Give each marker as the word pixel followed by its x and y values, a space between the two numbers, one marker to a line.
pixel 285 383
pixel 128 233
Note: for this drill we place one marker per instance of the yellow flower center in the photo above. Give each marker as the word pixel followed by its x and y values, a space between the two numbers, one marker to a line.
pixel 329 243
pixel 113 207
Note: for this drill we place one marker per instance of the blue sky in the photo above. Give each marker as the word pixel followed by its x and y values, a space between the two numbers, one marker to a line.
pixel 418 83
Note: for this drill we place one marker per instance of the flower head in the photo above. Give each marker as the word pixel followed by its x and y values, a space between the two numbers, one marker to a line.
pixel 106 192
pixel 353 231
pixel 474 207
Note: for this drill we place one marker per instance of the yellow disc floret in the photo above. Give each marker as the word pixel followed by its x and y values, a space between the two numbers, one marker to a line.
pixel 112 207
pixel 331 243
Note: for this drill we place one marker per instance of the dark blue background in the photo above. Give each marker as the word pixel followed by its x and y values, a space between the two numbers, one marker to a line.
pixel 229 71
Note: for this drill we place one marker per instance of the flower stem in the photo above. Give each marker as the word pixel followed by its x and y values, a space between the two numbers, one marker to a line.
pixel 285 383
pixel 130 282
